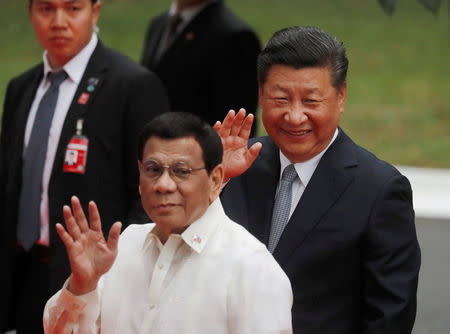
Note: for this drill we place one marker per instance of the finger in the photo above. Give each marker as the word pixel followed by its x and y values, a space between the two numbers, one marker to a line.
pixel 252 153
pixel 113 237
pixel 79 215
pixel 227 123
pixel 94 216
pixel 71 224
pixel 238 122
pixel 217 126
pixel 65 237
pixel 247 126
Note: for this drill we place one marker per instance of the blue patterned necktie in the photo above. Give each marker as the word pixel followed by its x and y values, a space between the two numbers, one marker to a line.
pixel 29 215
pixel 282 206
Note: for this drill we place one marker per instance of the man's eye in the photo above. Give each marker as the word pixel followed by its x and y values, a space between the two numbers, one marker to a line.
pixel 74 8
pixel 181 171
pixel 45 9
pixel 310 101
pixel 152 169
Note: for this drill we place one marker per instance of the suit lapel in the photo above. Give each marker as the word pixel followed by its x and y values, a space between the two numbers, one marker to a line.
pixel 263 183
pixel 95 73
pixel 328 182
pixel 23 110
pixel 155 39
pixel 25 104
pixel 193 30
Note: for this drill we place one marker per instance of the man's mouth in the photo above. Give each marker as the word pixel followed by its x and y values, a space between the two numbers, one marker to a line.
pixel 59 39
pixel 296 133
pixel 165 206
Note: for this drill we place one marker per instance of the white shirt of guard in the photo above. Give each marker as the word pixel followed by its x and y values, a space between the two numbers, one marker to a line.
pixel 75 69
pixel 214 278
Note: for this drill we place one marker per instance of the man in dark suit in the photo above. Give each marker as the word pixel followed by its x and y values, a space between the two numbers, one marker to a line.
pixel 206 57
pixel 342 227
pixel 103 97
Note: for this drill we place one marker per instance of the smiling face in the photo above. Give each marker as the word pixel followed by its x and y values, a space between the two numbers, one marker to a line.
pixel 173 206
pixel 63 27
pixel 301 109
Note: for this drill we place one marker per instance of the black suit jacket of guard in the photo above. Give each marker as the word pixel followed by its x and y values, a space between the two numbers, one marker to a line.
pixel 350 248
pixel 210 67
pixel 126 97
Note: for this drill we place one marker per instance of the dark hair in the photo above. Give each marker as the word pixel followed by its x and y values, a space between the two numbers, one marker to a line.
pixel 174 125
pixel 300 47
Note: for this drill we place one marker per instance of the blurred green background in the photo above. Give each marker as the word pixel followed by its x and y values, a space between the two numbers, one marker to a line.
pixel 398 103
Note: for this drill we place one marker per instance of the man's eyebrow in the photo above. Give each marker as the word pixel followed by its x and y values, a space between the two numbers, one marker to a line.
pixel 312 90
pixel 279 87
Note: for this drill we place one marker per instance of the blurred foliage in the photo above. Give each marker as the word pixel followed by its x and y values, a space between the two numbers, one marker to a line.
pixel 398 103
pixel 389 5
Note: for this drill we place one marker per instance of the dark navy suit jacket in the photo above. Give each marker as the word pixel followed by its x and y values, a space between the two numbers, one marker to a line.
pixel 350 248
pixel 210 67
pixel 125 98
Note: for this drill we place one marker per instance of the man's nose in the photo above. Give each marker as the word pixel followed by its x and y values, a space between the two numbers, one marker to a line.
pixel 59 19
pixel 296 116
pixel 165 183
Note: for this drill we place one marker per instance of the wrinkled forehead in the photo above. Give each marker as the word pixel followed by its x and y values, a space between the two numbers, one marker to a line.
pixel 170 150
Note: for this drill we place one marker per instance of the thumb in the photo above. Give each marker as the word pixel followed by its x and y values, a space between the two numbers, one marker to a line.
pixel 113 237
pixel 252 153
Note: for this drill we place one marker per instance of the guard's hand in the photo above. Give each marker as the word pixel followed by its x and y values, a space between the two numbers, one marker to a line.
pixel 89 254
pixel 234 132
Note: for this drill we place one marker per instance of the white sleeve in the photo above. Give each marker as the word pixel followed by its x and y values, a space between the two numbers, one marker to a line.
pixel 66 313
pixel 260 297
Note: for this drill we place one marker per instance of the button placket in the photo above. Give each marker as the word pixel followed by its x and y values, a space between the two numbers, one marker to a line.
pixel 160 271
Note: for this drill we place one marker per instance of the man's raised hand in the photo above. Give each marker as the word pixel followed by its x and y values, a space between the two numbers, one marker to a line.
pixel 234 132
pixel 89 254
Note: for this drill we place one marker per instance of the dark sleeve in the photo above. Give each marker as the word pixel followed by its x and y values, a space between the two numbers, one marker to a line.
pixel 147 99
pixel 234 80
pixel 391 262
pixel 4 143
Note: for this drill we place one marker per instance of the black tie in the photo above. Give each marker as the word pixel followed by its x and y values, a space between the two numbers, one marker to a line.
pixel 174 22
pixel 29 222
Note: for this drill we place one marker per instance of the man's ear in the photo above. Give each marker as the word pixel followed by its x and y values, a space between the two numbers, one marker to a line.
pixel 215 179
pixel 96 12
pixel 342 97
pixel 260 93
pixel 139 168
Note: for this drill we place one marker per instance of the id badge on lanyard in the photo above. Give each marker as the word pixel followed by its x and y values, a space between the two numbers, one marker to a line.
pixel 76 152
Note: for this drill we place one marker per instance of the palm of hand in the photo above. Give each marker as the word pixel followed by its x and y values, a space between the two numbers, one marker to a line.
pixel 90 256
pixel 234 133
pixel 235 156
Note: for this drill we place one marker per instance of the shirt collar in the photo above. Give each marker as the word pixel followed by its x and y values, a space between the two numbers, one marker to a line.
pixel 189 13
pixel 76 66
pixel 199 232
pixel 305 169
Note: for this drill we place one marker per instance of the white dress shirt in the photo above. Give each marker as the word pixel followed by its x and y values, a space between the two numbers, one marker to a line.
pixel 305 171
pixel 75 69
pixel 214 278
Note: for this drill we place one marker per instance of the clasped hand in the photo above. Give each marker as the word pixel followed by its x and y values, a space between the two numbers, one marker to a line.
pixel 90 255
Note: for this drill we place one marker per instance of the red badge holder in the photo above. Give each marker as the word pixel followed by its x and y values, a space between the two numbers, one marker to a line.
pixel 76 152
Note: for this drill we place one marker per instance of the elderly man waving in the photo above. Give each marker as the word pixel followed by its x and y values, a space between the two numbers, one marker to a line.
pixel 193 271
